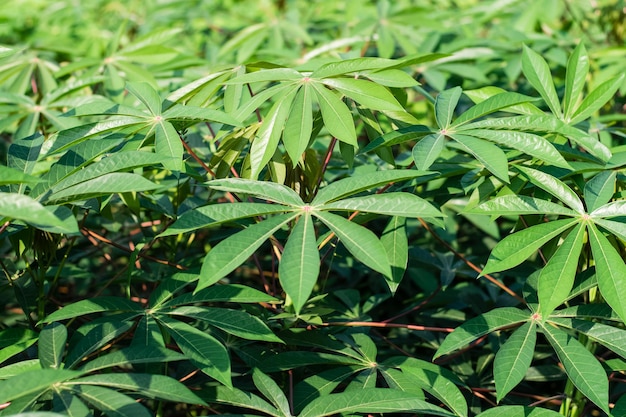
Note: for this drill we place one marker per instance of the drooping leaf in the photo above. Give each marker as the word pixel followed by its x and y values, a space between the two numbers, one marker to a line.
pixel 22 207
pixel 514 358
pixel 582 368
pixel 537 72
pixel 271 391
pixel 360 241
pixel 52 345
pixel 234 250
pixel 611 271
pixel 480 326
pixel 557 276
pixel 514 249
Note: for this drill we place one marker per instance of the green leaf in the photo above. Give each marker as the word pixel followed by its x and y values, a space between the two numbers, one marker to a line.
pixel 611 337
pixel 358 183
pixel 514 249
pixel 52 345
pixel 110 402
pixel 360 242
pixel 494 103
pixel 236 322
pixel 132 355
pixel 69 404
pixel 537 72
pixel 366 93
pixel 514 204
pixel 167 144
pixel 265 75
pixel 94 305
pixel 223 293
pixel 554 186
pixel 75 135
pixel 617 228
pixel 239 398
pixel 575 77
pixel 193 114
pixel 597 98
pixel 337 117
pixel 370 400
pixel 271 391
pixel 527 143
pixel 427 150
pixel 445 103
pixel 114 182
pixel 300 264
pixel 491 156
pixel 234 250
pixel 149 385
pixel 514 358
pixel 612 209
pixel 32 382
pixel 202 349
pixel 24 153
pixel 94 336
pixel 396 244
pixel 147 95
pixel 22 207
pixel 481 94
pixel 348 66
pixel 599 190
pixel 480 326
pixel 610 270
pixel 278 193
pixel 518 411
pixel 216 214
pixel 582 368
pixel 13 176
pixel 392 204
pixel 15 340
pixel 299 125
pixel 395 137
pixel 319 385
pixel 265 144
pixel 557 277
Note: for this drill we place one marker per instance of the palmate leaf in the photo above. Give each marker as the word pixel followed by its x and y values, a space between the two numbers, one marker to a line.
pixel 494 103
pixel 202 349
pixel 553 186
pixel 272 191
pixel 612 209
pixel 537 72
pixel 610 270
pixel 611 337
pixel 33 382
pixel 300 264
pixel 597 98
pixel 514 204
pixel 358 183
pixel 366 93
pixel 52 345
pixel 599 190
pixel 234 250
pixel 236 322
pixel 514 358
pixel 480 326
pixel 392 204
pixel 575 77
pixel 360 242
pixel 514 249
pixel 445 103
pixel 299 125
pixel 370 400
pixel 110 402
pixel 557 277
pixel 489 155
pixel 582 368
pixel 149 385
pixel 147 95
pixel 271 391
pixel 94 305
pixel 114 182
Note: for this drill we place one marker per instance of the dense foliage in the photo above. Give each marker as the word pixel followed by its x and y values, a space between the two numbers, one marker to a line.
pixel 312 208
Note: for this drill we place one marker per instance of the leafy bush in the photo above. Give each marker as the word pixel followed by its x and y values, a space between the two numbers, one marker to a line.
pixel 281 208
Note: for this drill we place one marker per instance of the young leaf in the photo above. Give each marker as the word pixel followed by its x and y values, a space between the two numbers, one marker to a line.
pixel 445 103
pixel 271 391
pixel 361 242
pixel 396 244
pixel 581 366
pixel 575 77
pixel 370 400
pixel 554 186
pixel 480 326
pixel 610 270
pixel 596 99
pixel 427 150
pixel 202 349
pixel 234 250
pixel 514 249
pixel 514 358
pixel 337 117
pixel 557 277
pixel 537 72
pixel 52 345
pixel 599 190
pixel 300 265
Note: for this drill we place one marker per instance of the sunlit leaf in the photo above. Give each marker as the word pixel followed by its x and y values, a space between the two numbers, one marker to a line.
pixel 514 358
